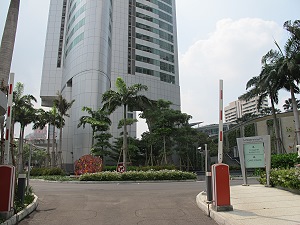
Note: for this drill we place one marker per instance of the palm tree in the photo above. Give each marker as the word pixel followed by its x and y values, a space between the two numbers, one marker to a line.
pixel 288 105
pixel 8 41
pixel 55 121
pixel 288 70
pixel 62 106
pixel 128 98
pixel 266 85
pixel 24 113
pixel 42 119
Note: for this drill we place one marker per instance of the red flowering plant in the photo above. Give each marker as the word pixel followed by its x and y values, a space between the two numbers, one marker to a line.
pixel 88 164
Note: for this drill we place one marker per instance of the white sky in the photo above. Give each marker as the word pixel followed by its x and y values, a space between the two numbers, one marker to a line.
pixel 217 39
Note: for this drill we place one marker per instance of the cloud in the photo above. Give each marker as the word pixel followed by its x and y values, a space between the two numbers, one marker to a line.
pixel 232 53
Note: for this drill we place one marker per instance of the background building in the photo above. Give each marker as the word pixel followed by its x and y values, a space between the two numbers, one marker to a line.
pixel 239 108
pixel 90 43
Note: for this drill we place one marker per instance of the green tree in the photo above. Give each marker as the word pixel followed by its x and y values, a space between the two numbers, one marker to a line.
pixel 62 106
pixel 100 123
pixel 38 155
pixel 165 127
pixel 135 154
pixel 186 142
pixel 150 114
pixel 128 98
pixel 98 120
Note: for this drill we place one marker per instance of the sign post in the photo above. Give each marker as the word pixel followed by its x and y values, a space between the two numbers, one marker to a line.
pixel 255 152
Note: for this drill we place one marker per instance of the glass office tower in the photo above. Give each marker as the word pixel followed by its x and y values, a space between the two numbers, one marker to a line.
pixel 90 43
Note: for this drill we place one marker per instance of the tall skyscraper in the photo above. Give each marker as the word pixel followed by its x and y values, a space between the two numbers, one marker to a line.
pixel 90 43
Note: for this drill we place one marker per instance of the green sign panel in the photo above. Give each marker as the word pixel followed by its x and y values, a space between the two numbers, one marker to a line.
pixel 254 155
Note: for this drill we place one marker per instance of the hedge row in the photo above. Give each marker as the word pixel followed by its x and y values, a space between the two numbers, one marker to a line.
pixel 284 160
pixel 46 171
pixel 139 176
pixel 141 168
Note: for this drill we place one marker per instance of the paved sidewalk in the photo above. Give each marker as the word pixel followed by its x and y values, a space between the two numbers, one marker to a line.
pixel 257 205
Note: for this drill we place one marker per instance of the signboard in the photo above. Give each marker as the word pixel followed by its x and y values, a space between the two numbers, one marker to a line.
pixel 120 168
pixel 255 152
pixel 254 155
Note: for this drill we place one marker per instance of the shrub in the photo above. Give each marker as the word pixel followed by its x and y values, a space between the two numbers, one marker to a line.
pixel 284 160
pixel 88 164
pixel 37 172
pixel 54 171
pixel 286 178
pixel 139 175
pixel 101 176
pixel 46 171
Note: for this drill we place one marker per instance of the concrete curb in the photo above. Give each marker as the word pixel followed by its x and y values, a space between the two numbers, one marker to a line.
pixel 216 216
pixel 22 214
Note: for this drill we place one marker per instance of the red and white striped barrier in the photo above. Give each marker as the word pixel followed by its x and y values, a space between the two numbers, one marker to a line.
pixel 220 144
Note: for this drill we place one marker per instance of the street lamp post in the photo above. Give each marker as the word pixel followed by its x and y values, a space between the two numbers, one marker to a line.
pixel 208 175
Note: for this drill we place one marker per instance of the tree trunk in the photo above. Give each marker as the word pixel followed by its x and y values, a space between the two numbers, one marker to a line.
pixel 8 40
pixel 93 141
pixel 60 148
pixel 125 145
pixel 165 151
pixel 296 115
pixel 48 148
pixel 11 147
pixel 53 148
pixel 187 162
pixel 276 126
pixel 20 150
pixel 151 154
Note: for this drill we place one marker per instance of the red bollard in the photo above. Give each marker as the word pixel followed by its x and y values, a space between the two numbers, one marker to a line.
pixel 7 189
pixel 221 187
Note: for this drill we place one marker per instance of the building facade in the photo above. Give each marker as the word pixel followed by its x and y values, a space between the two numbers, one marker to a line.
pixel 90 43
pixel 239 108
